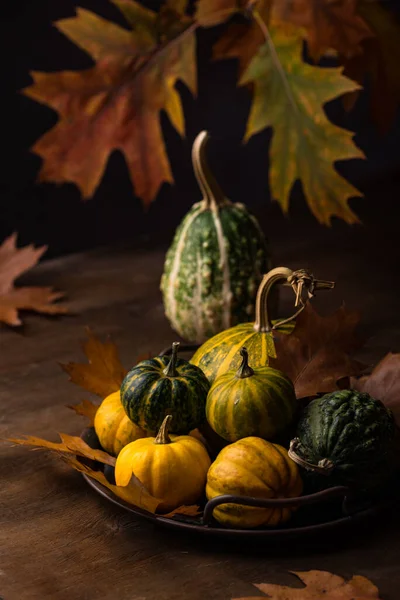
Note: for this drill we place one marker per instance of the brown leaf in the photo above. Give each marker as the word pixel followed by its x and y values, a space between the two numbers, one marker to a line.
pixel 213 12
pixel 320 584
pixel 383 383
pixel 329 25
pixel 86 408
pixel 116 104
pixel 316 354
pixel 134 493
pixel 189 511
pixel 69 444
pixel 13 262
pixel 104 373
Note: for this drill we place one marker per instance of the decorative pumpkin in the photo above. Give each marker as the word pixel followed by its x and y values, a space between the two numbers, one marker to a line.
pixel 345 438
pixel 257 468
pixel 113 427
pixel 257 402
pixel 165 385
pixel 221 353
pixel 215 263
pixel 173 470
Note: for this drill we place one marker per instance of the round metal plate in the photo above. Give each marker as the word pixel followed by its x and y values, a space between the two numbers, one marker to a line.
pixel 303 524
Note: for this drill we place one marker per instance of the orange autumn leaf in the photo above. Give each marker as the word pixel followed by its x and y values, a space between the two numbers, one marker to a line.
pixel 328 25
pixel 69 444
pixel 116 104
pixel 104 373
pixel 319 584
pixel 13 262
pixel 317 353
pixel 188 511
pixel 86 408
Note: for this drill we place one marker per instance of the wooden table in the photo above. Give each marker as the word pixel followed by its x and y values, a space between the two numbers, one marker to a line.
pixel 58 538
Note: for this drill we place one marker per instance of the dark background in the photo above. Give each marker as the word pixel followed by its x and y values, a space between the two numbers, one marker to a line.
pixel 56 215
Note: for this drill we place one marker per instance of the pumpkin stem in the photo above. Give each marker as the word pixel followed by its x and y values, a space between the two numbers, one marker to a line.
pixel 162 435
pixel 244 370
pixel 324 466
pixel 299 280
pixel 170 369
pixel 212 193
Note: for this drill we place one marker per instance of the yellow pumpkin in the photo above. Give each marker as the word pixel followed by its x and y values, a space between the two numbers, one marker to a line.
pixel 257 468
pixel 113 426
pixel 171 469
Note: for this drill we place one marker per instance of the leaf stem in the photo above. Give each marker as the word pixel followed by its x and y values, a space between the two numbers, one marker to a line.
pixel 265 31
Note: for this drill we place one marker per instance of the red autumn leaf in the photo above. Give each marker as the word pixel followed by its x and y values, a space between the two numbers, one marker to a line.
pixel 13 262
pixel 116 104
pixel 317 353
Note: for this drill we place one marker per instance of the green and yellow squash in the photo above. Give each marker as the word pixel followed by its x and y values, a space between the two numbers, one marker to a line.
pixel 172 469
pixel 163 386
pixel 221 353
pixel 257 468
pixel 247 402
pixel 345 438
pixel 113 427
pixel 215 263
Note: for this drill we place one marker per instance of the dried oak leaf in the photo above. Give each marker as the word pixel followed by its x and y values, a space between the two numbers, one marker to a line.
pixel 69 444
pixel 289 96
pixel 316 354
pixel 116 104
pixel 328 25
pixel 379 63
pixel 383 383
pixel 104 373
pixel 87 409
pixel 320 584
pixel 13 262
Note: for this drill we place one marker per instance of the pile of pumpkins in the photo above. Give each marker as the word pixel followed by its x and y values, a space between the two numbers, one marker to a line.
pixel 151 426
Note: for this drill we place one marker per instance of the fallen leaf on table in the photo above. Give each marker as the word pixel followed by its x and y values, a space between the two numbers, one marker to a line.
pixel 116 104
pixel 289 96
pixel 328 25
pixel 13 262
pixel 383 383
pixel 316 354
pixel 320 584
pixel 69 444
pixel 134 493
pixel 86 408
pixel 104 373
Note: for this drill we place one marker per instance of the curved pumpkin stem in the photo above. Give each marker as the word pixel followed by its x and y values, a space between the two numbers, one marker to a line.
pixel 299 280
pixel 162 435
pixel 170 369
pixel 244 370
pixel 212 193
pixel 324 466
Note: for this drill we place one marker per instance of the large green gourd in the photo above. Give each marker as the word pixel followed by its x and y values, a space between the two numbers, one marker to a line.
pixel 221 353
pixel 345 438
pixel 257 402
pixel 164 386
pixel 215 263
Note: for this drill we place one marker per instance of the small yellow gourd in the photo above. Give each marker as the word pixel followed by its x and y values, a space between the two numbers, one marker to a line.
pixel 113 426
pixel 171 469
pixel 257 468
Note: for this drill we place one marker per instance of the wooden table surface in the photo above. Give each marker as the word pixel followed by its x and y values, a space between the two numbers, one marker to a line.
pixel 58 538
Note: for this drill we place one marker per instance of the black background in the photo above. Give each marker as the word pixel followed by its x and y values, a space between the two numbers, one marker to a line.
pixel 57 216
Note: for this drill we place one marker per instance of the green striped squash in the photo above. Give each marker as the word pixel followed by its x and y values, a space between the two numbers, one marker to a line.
pixel 215 263
pixel 221 353
pixel 257 402
pixel 164 386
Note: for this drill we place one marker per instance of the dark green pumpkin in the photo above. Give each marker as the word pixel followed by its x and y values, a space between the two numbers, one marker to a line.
pixel 345 438
pixel 163 386
pixel 247 402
